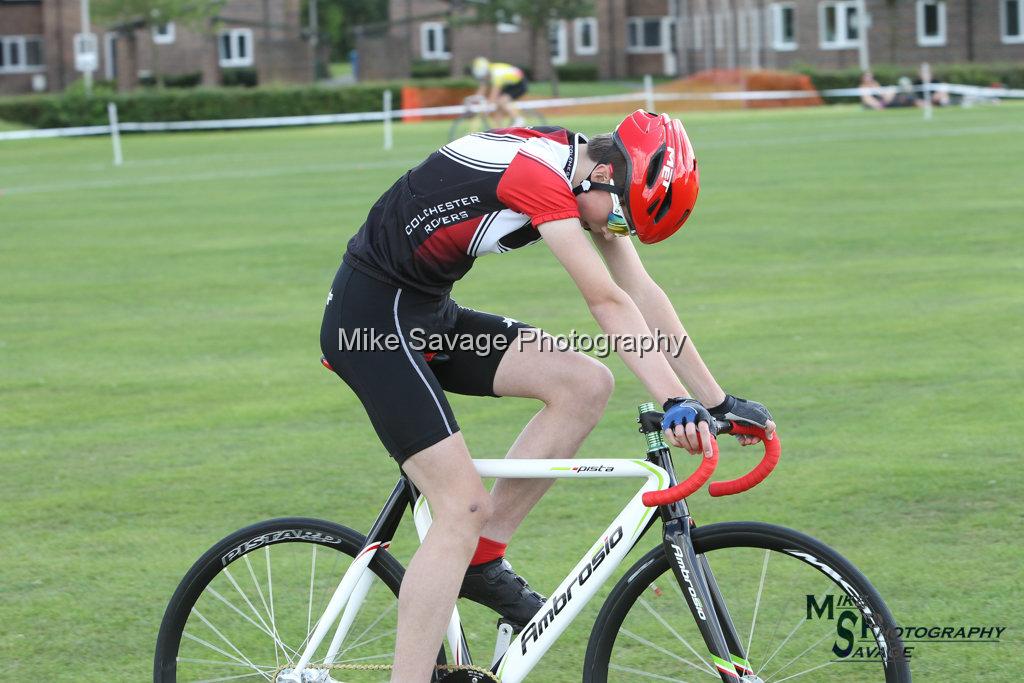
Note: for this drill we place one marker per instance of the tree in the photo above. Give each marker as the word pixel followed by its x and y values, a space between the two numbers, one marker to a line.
pixel 337 18
pixel 537 17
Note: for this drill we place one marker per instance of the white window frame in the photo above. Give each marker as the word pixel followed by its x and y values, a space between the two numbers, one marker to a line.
pixel 779 42
pixel 558 38
pixel 22 67
pixel 665 25
pixel 235 37
pixel 925 40
pixel 577 35
pixel 506 25
pixel 842 41
pixel 1004 36
pixel 438 28
pixel 165 37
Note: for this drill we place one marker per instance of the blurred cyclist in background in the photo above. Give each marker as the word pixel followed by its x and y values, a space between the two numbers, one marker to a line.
pixel 501 85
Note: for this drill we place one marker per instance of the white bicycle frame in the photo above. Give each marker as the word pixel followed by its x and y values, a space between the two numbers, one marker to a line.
pixel 566 601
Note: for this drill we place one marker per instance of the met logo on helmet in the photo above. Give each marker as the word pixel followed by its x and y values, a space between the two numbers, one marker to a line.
pixel 669 167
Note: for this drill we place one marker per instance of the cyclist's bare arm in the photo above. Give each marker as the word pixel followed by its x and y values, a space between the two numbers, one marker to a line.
pixel 628 270
pixel 615 312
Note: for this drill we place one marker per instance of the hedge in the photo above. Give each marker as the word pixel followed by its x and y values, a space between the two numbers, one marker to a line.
pixel 431 68
pixel 77 109
pixel 1010 75
pixel 578 71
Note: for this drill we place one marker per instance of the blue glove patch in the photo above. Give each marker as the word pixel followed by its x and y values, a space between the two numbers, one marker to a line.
pixel 678 414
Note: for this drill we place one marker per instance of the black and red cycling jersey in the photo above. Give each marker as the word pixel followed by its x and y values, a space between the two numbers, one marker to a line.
pixel 485 193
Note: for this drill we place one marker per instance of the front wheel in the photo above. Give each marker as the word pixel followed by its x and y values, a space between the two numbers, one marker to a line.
pixel 800 610
pixel 247 607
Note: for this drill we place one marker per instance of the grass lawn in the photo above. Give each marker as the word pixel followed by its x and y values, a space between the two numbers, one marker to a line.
pixel 861 273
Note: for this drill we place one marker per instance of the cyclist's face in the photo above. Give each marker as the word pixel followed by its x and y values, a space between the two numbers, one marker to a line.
pixel 595 206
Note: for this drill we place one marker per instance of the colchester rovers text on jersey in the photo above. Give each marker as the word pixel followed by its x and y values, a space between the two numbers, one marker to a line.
pixel 483 193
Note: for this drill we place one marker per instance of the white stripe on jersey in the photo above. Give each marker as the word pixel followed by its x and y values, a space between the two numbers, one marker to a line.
pixel 493 228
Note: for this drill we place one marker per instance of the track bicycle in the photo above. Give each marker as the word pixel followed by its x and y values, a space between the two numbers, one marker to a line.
pixel 298 600
pixel 478 117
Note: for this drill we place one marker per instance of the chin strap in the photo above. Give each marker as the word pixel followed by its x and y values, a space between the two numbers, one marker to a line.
pixel 588 185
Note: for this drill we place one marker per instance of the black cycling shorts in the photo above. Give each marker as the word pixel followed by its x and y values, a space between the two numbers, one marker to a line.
pixel 378 338
pixel 515 90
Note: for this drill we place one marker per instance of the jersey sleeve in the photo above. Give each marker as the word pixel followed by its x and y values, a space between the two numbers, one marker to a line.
pixel 533 187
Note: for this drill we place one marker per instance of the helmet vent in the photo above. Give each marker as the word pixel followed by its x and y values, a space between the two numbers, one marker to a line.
pixel 665 206
pixel 654 167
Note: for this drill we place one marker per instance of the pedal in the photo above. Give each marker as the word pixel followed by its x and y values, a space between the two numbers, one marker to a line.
pixel 504 639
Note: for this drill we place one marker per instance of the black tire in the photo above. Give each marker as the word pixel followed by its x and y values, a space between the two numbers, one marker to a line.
pixel 744 537
pixel 343 541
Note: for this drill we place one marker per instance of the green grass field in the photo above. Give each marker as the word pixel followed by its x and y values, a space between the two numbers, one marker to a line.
pixel 861 273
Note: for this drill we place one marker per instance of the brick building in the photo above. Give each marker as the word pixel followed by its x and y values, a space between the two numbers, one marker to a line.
pixel 629 38
pixel 37 53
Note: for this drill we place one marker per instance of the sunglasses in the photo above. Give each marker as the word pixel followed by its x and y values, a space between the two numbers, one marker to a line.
pixel 616 220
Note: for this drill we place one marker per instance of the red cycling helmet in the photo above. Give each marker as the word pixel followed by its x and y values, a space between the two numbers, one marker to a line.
pixel 661 175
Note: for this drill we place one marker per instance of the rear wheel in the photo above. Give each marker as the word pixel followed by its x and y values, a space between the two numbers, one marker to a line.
pixel 474 122
pixel 801 611
pixel 247 607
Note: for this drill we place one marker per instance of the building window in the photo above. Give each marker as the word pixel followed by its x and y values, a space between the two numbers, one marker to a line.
pixel 783 26
pixel 1012 19
pixel 838 23
pixel 585 35
pixel 21 54
pixel 434 40
pixel 647 34
pixel 719 32
pixel 931 22
pixel 508 23
pixel 234 47
pixel 163 34
pixel 558 38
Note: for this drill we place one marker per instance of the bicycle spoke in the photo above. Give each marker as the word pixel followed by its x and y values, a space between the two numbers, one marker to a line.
pixel 757 601
pixel 806 671
pixel 270 590
pixel 245 616
pixel 645 674
pixel 214 662
pixel 309 611
pixel 661 620
pixel 808 649
pixel 225 639
pixel 644 641
pixel 197 639
pixel 226 678
pixel 245 597
pixel 799 623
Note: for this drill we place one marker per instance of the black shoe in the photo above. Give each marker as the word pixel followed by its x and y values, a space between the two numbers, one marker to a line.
pixel 495 585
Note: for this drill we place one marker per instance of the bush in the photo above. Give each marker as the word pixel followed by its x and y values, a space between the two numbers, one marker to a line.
pixel 1010 75
pixel 76 109
pixel 189 80
pixel 245 77
pixel 579 71
pixel 428 68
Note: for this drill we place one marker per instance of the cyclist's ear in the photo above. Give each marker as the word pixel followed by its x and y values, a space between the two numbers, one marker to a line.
pixel 602 173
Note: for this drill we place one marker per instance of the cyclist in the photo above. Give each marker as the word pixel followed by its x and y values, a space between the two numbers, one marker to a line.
pixel 490 193
pixel 501 85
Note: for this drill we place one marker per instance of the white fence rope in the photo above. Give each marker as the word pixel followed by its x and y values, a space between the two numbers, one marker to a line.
pixel 369 116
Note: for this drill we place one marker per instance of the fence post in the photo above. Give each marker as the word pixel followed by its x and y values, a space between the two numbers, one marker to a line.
pixel 926 84
pixel 649 92
pixel 115 133
pixel 388 140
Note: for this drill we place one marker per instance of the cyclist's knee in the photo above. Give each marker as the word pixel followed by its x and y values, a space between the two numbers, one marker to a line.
pixel 589 384
pixel 466 515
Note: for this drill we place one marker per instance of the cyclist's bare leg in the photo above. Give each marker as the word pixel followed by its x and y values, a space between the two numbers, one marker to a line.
pixel 507 108
pixel 460 507
pixel 575 389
